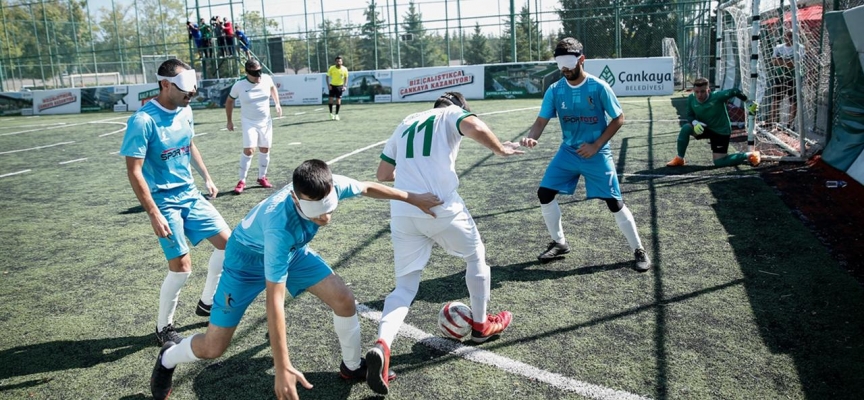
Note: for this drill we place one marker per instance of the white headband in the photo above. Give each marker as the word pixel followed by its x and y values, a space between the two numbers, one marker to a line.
pixel 568 61
pixel 317 208
pixel 187 81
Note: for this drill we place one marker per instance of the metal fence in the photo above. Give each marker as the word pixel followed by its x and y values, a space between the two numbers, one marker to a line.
pixel 62 43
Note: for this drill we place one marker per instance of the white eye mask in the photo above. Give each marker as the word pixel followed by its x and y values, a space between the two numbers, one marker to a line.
pixel 317 208
pixel 568 61
pixel 186 80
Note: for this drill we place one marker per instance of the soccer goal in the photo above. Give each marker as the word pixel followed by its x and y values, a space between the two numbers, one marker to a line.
pixel 774 56
pixel 94 79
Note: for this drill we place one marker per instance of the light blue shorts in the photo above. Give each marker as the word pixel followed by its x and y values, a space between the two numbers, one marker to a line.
pixel 190 216
pixel 243 279
pixel 601 179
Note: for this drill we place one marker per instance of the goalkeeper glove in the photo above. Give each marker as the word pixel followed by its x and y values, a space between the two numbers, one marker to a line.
pixel 753 108
pixel 698 127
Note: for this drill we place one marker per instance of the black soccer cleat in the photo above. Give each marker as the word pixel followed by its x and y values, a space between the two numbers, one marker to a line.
pixel 167 334
pixel 360 372
pixel 554 251
pixel 203 310
pixel 160 379
pixel 643 263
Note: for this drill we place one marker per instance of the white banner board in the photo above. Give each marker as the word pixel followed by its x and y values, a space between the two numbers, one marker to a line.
pixel 138 95
pixel 60 101
pixel 635 76
pixel 295 90
pixel 427 84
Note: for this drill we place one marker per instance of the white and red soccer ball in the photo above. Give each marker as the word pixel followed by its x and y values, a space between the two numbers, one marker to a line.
pixel 454 320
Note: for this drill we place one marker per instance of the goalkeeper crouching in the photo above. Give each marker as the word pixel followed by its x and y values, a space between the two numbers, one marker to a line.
pixel 707 118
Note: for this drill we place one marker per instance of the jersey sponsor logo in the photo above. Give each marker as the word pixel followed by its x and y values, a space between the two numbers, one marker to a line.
pixel 563 105
pixel 168 154
pixel 590 119
pixel 591 102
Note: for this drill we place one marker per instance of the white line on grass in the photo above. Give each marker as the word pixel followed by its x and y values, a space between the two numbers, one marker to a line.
pixel 630 121
pixel 201 134
pixel 278 118
pixel 71 161
pixel 318 109
pixel 481 356
pixel 59 126
pixel 15 173
pixel 33 126
pixel 300 113
pixel 294 144
pixel 115 152
pixel 508 111
pixel 356 151
pixel 115 123
pixel 36 148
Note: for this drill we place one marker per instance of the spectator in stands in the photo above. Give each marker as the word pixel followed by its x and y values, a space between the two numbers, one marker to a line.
pixel 219 33
pixel 784 78
pixel 206 38
pixel 195 35
pixel 243 41
pixel 228 30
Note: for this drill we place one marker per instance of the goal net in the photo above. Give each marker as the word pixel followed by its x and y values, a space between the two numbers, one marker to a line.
pixel 791 88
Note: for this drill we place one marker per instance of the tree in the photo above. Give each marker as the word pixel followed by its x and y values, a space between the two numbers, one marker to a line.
pixel 372 41
pixel 477 51
pixel 334 40
pixel 419 49
pixel 255 26
pixel 527 34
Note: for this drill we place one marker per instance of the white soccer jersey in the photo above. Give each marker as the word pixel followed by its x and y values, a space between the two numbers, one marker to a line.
pixel 254 99
pixel 423 148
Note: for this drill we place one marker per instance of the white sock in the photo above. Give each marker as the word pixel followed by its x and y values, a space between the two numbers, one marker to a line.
pixel 628 227
pixel 214 272
pixel 348 331
pixel 168 296
pixel 245 162
pixel 263 162
pixel 552 217
pixel 478 277
pixel 396 306
pixel 179 354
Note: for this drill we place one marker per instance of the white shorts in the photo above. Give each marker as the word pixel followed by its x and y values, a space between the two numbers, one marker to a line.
pixel 413 239
pixel 257 134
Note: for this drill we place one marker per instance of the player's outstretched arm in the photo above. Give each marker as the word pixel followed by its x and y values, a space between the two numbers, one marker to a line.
pixel 474 128
pixel 534 133
pixel 423 201
pixel 286 376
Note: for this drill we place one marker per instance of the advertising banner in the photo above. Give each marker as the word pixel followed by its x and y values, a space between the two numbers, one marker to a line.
pixel 427 84
pixel 519 81
pixel 138 95
pixel 363 87
pixel 635 76
pixel 16 103
pixel 59 101
pixel 212 93
pixel 295 90
pixel 103 99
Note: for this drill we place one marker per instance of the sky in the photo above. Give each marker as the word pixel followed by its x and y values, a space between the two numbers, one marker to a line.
pixel 290 13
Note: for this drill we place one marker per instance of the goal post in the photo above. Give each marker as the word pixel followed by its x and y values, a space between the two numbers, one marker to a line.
pixel 94 79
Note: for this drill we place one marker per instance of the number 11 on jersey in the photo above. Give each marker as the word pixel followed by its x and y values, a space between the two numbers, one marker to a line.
pixel 427 125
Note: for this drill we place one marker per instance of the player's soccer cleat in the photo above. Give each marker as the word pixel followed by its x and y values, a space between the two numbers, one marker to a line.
pixel 360 372
pixel 167 334
pixel 676 162
pixel 643 263
pixel 337 117
pixel 240 186
pixel 554 251
pixel 755 158
pixel 264 182
pixel 494 325
pixel 203 310
pixel 332 116
pixel 378 367
pixel 160 379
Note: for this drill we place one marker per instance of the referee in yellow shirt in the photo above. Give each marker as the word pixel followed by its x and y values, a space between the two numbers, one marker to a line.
pixel 337 77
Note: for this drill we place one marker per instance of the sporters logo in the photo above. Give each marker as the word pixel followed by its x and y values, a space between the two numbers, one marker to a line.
pixel 168 154
pixel 580 118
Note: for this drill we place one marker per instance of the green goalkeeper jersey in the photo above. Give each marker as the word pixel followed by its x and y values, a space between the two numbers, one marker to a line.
pixel 713 111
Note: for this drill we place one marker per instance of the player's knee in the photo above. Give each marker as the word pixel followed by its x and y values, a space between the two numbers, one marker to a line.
pixel 248 151
pixel 343 303
pixel 546 195
pixel 614 205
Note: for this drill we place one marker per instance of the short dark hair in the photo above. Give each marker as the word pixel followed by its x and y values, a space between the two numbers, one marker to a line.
pixel 568 45
pixel 313 179
pixel 699 82
pixel 252 64
pixel 169 67
pixel 338 58
pixel 452 99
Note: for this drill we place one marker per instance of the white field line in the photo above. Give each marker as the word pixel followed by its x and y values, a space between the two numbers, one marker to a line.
pixel 278 117
pixel 318 109
pixel 645 121
pixel 59 126
pixel 115 152
pixel 294 144
pixel 509 111
pixel 15 173
pixel 72 161
pixel 481 356
pixel 36 148
pixel 201 134
pixel 33 126
pixel 300 113
pixel 115 123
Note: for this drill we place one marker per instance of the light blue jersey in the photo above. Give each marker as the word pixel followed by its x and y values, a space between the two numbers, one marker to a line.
pixel 163 138
pixel 582 110
pixel 275 229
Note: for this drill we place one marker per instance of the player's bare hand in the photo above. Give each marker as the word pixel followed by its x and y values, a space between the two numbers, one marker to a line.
pixel 510 149
pixel 587 150
pixel 278 110
pixel 528 142
pixel 424 202
pixel 230 126
pixel 212 190
pixel 286 384
pixel 160 225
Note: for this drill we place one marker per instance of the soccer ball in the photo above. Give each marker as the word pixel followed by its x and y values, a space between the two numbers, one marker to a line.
pixel 454 320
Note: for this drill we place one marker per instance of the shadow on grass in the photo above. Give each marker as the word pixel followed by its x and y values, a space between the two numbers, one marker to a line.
pixel 804 305
pixel 306 122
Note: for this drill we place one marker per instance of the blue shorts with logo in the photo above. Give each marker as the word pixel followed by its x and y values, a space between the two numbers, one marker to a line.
pixel 190 216
pixel 601 178
pixel 243 279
